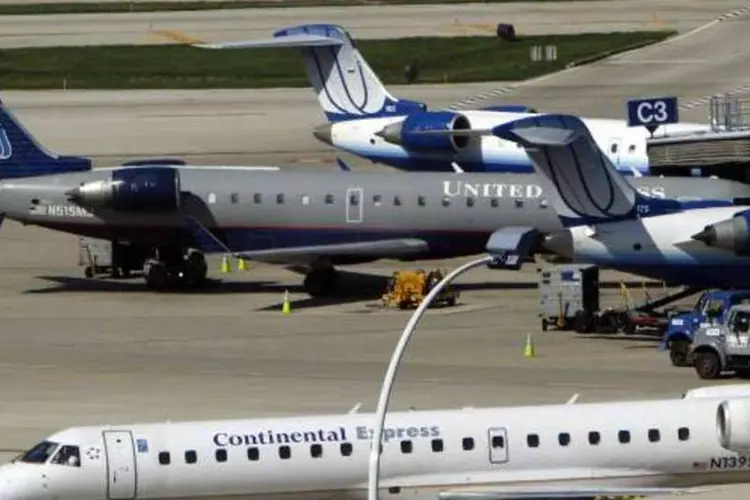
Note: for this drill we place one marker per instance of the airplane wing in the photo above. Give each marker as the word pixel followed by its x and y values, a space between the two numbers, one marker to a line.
pixel 566 493
pixel 387 248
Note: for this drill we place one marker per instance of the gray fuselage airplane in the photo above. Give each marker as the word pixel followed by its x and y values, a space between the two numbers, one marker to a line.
pixel 312 219
pixel 172 214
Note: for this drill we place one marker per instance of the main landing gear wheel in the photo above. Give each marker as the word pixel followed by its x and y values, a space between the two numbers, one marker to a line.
pixel 155 273
pixel 707 365
pixel 321 282
pixel 176 272
pixel 679 351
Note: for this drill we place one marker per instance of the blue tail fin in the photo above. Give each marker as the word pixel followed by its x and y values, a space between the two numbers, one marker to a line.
pixel 346 86
pixel 22 156
pixel 590 189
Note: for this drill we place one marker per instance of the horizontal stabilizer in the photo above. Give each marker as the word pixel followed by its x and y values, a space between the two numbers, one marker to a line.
pixel 290 41
pixel 521 493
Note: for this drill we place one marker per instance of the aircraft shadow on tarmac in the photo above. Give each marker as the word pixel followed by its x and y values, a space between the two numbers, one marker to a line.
pixel 356 287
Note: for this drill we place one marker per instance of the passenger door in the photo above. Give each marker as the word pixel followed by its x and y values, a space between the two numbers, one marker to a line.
pixel 121 471
pixel 497 440
pixel 354 205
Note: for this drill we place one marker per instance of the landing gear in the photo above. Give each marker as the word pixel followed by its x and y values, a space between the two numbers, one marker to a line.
pixel 321 282
pixel 175 269
pixel 679 353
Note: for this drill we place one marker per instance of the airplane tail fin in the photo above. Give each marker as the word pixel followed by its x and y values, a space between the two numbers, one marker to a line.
pixel 346 86
pixel 591 189
pixel 22 156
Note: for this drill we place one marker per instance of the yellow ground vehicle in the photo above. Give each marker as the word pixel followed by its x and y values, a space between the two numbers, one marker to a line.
pixel 408 288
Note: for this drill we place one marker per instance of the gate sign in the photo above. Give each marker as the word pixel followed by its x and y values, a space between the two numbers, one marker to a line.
pixel 652 112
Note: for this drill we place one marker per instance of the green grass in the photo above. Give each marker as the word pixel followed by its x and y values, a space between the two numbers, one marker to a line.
pixel 451 60
pixel 156 6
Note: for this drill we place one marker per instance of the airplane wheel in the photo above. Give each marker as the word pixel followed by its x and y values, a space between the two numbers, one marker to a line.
pixel 197 269
pixel 678 352
pixel 320 282
pixel 707 365
pixel 155 273
pixel 88 272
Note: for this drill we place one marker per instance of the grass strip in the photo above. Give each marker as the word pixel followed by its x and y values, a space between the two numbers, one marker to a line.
pixel 156 6
pixel 439 60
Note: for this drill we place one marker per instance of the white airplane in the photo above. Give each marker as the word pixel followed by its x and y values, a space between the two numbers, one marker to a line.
pixel 554 451
pixel 368 121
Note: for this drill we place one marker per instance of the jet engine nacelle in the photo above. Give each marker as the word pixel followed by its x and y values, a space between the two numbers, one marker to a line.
pixel 132 190
pixel 731 234
pixel 406 133
pixel 733 424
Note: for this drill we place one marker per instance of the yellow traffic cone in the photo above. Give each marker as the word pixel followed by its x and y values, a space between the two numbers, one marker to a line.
pixel 286 307
pixel 528 351
pixel 225 266
pixel 242 265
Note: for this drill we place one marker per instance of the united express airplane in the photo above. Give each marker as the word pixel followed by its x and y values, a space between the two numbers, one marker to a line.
pixel 365 119
pixel 554 451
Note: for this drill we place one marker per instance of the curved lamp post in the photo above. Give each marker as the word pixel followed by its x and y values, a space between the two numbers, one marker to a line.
pixel 390 375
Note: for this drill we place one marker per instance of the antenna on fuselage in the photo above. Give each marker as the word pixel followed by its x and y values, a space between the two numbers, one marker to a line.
pixel 573 399
pixel 456 168
pixel 355 408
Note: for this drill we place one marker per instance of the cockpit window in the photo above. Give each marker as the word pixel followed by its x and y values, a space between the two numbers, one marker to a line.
pixel 68 455
pixel 39 453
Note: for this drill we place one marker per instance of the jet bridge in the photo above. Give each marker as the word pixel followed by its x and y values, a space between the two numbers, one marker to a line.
pixel 723 151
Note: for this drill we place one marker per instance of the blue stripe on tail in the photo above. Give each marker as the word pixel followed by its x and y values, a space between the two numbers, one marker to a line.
pixel 22 156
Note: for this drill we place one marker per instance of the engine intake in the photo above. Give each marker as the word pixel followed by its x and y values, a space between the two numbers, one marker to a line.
pixel 134 189
pixel 730 234
pixel 407 133
pixel 733 424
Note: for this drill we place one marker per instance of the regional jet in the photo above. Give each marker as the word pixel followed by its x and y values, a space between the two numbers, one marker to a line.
pixel 610 224
pixel 366 120
pixel 171 215
pixel 572 450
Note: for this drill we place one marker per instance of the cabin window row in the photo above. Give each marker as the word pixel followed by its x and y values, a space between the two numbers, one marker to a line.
pixel 377 200
pixel 316 451
pixel 594 437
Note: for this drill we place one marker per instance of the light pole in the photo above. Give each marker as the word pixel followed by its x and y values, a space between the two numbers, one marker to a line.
pixel 390 375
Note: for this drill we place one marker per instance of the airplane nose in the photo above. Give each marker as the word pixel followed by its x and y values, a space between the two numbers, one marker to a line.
pixel 323 133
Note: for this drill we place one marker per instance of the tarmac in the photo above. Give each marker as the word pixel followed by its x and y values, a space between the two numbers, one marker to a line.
pixel 374 21
pixel 77 351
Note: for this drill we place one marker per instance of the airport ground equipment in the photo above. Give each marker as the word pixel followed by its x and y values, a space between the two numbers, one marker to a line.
pixel 111 258
pixel 407 289
pixel 569 300
pixel 709 309
pixel 564 290
pixel 724 346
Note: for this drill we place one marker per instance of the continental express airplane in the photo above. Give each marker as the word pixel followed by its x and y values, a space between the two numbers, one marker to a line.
pixel 553 451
